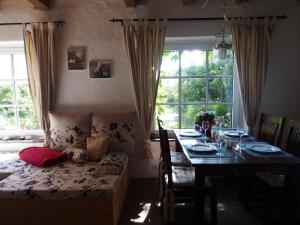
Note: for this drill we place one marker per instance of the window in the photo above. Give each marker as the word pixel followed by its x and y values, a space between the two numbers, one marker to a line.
pixel 16 107
pixel 193 81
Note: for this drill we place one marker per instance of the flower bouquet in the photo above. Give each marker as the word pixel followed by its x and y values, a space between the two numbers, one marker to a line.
pixel 202 117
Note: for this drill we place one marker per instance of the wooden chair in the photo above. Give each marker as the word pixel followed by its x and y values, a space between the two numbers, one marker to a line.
pixel 177 158
pixel 180 185
pixel 270 128
pixel 275 183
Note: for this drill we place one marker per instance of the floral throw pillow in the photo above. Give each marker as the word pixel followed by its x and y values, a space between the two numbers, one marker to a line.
pixel 119 129
pixel 69 130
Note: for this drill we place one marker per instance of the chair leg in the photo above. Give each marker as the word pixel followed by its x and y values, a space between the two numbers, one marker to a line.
pixel 213 208
pixel 268 206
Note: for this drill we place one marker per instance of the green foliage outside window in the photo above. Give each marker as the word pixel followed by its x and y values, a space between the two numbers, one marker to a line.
pixel 193 91
pixel 16 107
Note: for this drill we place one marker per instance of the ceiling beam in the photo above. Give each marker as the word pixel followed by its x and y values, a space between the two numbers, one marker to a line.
pixel 40 4
pixel 188 2
pixel 131 3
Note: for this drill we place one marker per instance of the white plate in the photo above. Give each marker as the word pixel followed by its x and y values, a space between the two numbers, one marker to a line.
pixel 235 134
pixel 203 148
pixel 265 148
pixel 190 134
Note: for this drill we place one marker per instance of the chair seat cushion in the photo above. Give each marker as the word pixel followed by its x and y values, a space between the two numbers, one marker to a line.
pixel 179 159
pixel 185 177
pixel 272 180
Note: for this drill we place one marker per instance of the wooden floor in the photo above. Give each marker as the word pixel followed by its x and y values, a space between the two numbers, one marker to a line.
pixel 141 207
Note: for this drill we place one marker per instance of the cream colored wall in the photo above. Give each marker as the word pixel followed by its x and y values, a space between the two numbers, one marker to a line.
pixel 87 25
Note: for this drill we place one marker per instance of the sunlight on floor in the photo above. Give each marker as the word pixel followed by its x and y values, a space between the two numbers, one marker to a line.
pixel 143 214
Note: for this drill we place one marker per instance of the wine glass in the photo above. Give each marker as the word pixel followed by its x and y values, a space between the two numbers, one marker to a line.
pixel 241 132
pixel 205 126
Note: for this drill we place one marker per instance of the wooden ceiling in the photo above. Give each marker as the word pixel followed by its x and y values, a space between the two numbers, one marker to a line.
pixel 134 3
pixel 40 4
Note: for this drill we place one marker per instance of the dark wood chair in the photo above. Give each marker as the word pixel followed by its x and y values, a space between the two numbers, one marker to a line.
pixel 270 128
pixel 274 184
pixel 180 185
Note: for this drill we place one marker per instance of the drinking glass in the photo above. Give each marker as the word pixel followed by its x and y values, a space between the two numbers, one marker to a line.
pixel 205 126
pixel 241 132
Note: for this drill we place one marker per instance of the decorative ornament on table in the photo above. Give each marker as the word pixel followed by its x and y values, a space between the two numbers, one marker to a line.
pixel 208 116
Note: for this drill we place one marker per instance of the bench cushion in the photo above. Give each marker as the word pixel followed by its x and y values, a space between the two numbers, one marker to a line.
pixel 64 181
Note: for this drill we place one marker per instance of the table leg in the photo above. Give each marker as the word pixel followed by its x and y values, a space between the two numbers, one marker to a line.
pixel 199 196
pixel 291 196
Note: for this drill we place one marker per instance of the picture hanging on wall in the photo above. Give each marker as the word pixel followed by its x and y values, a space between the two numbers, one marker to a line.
pixel 100 68
pixel 76 58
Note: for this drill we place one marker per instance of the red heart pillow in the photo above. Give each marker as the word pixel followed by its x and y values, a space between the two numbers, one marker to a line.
pixel 41 156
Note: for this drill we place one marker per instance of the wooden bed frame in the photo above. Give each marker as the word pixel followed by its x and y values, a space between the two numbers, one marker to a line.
pixel 82 211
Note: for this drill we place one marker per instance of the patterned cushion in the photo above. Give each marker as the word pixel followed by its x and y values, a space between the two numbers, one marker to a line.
pixel 77 155
pixel 178 158
pixel 120 128
pixel 69 130
pixel 96 147
pixel 111 164
pixel 183 176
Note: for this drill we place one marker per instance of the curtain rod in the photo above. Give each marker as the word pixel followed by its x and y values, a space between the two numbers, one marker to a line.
pixel 59 22
pixel 283 17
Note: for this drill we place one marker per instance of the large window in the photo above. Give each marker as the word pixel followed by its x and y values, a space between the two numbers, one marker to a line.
pixel 193 81
pixel 16 107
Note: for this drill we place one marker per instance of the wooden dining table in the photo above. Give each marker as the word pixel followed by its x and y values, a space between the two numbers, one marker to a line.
pixel 242 161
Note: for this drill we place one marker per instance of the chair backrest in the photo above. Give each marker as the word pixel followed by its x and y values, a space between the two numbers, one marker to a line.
pixel 293 141
pixel 160 129
pixel 167 157
pixel 270 128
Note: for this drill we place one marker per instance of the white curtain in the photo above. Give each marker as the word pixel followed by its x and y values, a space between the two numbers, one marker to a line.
pixel 39 52
pixel 145 44
pixel 251 43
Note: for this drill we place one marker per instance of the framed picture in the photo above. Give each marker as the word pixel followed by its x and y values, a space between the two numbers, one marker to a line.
pixel 100 68
pixel 76 58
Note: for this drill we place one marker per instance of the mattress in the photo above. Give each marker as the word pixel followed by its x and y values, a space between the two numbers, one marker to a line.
pixel 63 181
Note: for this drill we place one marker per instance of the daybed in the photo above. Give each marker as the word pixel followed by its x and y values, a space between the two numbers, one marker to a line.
pixel 69 193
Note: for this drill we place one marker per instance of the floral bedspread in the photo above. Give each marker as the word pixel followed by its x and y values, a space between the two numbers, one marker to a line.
pixel 63 181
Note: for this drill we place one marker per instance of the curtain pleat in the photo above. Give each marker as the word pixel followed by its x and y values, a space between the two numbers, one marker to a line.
pixel 39 52
pixel 145 44
pixel 251 43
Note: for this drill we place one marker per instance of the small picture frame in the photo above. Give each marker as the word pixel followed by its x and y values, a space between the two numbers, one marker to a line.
pixel 100 68
pixel 76 58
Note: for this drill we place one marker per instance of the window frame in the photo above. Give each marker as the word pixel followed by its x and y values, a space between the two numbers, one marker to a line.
pixel 14 48
pixel 206 47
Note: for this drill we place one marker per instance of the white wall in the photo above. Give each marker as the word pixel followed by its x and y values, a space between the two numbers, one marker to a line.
pixel 87 25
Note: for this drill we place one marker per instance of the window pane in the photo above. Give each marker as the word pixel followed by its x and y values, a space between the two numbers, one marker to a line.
pixel 193 63
pixel 6 93
pixel 170 64
pixel 7 118
pixel 221 110
pixel 23 93
pixel 5 67
pixel 167 91
pixel 27 118
pixel 188 114
pixel 193 89
pixel 20 69
pixel 220 90
pixel 220 67
pixel 169 115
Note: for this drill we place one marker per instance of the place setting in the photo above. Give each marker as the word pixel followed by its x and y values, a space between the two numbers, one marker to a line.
pixel 206 150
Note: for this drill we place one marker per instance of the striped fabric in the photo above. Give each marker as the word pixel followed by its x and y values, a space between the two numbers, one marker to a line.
pixel 96 148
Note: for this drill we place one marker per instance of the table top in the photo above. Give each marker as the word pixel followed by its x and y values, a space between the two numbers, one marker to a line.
pixel 233 158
